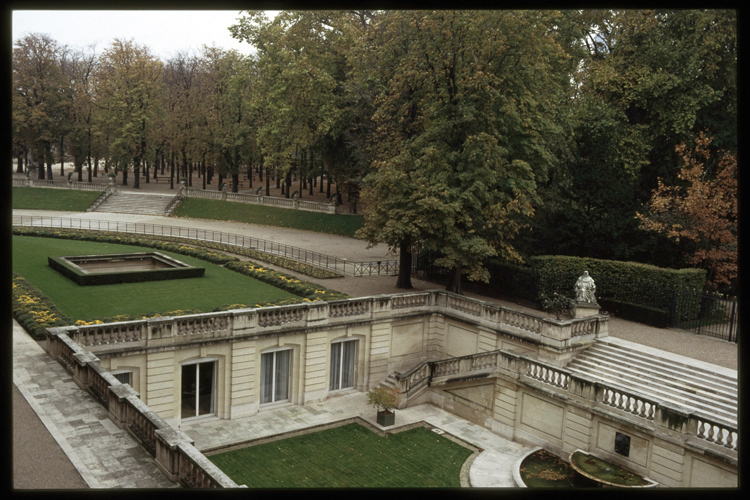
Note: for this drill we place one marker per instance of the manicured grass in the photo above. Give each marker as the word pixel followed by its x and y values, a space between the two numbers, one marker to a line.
pixel 349 456
pixel 216 288
pixel 342 225
pixel 53 199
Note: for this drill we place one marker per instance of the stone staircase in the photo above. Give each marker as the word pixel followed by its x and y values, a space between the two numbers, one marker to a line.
pixel 136 203
pixel 662 376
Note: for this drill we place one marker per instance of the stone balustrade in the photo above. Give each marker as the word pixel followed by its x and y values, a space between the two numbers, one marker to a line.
pixel 556 336
pixel 691 426
pixel 172 450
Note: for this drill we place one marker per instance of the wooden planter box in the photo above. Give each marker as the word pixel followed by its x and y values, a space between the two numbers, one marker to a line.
pixel 386 418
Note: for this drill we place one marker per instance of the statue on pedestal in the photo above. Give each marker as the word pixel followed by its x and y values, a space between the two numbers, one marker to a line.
pixel 585 289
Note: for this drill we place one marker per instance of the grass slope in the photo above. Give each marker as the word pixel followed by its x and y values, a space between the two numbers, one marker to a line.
pixel 342 225
pixel 217 287
pixel 349 456
pixel 52 199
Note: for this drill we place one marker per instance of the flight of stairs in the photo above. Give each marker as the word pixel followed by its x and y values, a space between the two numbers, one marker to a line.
pixel 666 378
pixel 136 203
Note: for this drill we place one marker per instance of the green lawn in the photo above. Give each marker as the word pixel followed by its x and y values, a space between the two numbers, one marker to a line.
pixel 217 287
pixel 53 199
pixel 343 225
pixel 349 456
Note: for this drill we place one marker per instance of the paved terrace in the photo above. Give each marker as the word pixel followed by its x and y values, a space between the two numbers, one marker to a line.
pixel 63 438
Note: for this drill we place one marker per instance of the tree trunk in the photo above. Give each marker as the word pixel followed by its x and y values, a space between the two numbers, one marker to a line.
pixel 147 171
pixel 19 165
pixel 62 158
pixel 454 280
pixel 404 266
pixel 125 176
pixel 268 183
pixel 50 160
pixel 137 172
pixel 171 171
pixel 235 181
pixel 96 166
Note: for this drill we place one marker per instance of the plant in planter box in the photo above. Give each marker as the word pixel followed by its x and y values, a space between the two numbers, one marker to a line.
pixel 385 399
pixel 558 305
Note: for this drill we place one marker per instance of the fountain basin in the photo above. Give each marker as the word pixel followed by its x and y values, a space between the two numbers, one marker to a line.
pixel 607 474
pixel 118 268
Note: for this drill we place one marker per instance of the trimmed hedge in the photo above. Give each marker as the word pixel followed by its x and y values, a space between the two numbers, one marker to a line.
pixel 626 282
pixel 633 312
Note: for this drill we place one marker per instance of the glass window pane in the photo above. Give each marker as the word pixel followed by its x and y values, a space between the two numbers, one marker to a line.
pixel 206 387
pixel 188 391
pixel 266 377
pixel 335 379
pixel 124 377
pixel 347 364
pixel 282 375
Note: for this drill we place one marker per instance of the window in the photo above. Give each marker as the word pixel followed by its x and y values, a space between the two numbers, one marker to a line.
pixel 198 389
pixel 622 444
pixel 274 376
pixel 342 365
pixel 124 377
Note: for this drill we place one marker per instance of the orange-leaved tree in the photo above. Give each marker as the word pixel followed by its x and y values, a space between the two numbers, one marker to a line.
pixel 701 209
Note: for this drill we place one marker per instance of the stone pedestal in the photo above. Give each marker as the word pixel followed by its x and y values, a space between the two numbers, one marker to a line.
pixel 586 309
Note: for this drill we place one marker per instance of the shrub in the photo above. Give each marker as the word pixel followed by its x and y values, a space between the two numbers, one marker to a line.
pixel 285 282
pixel 634 312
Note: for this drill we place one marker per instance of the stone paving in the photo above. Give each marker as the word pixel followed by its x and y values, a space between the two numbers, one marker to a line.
pixel 107 457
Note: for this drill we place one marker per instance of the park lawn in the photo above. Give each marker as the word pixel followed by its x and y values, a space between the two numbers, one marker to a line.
pixel 349 456
pixel 218 287
pixel 53 199
pixel 342 225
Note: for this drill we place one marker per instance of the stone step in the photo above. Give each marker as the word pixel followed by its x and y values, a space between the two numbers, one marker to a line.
pixel 697 398
pixel 705 374
pixel 136 203
pixel 692 378
pixel 669 380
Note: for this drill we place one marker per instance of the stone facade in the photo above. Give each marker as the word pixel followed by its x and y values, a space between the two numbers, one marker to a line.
pixel 493 366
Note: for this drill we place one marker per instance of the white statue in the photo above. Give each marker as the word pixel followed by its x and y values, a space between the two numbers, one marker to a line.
pixel 585 289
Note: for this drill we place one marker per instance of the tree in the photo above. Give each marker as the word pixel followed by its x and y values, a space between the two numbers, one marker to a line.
pixel 129 83
pixel 39 96
pixel 465 127
pixel 230 133
pixel 701 209
pixel 79 72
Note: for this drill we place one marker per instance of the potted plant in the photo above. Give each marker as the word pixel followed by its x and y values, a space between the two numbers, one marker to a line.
pixel 385 399
pixel 558 304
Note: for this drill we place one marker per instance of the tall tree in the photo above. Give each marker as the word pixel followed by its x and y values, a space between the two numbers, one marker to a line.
pixel 129 81
pixel 701 209
pixel 465 122
pixel 39 96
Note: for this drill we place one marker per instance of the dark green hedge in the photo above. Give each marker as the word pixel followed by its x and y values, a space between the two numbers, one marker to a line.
pixel 626 282
pixel 633 312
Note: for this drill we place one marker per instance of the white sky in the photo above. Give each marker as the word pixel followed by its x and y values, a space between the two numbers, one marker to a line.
pixel 164 31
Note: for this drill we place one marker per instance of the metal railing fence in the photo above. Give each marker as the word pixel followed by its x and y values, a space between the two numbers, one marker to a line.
pixel 328 262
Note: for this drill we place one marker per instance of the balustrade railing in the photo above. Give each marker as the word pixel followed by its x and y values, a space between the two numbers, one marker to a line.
pixel 349 308
pixel 627 401
pixel 713 432
pixel 551 375
pixel 254 199
pixel 127 410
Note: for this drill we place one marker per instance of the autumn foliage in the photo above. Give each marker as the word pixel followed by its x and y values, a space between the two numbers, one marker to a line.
pixel 702 210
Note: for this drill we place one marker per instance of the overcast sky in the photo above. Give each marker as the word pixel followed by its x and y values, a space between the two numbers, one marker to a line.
pixel 165 32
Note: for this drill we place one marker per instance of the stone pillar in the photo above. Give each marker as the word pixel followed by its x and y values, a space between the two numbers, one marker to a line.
pixel 118 395
pixel 167 457
pixel 586 310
